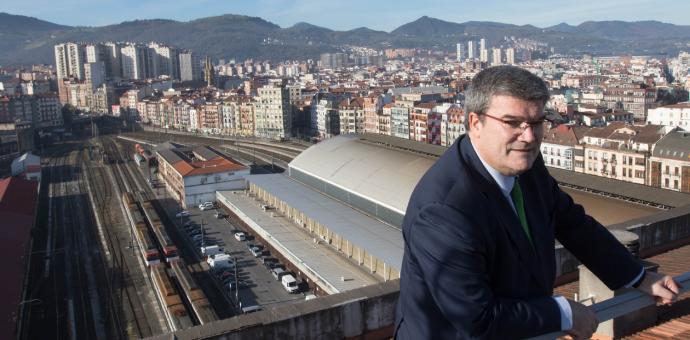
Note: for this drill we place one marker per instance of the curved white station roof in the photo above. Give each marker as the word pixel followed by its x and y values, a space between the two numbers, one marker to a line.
pixel 384 175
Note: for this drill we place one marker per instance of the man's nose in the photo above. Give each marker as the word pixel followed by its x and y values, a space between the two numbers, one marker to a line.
pixel 528 135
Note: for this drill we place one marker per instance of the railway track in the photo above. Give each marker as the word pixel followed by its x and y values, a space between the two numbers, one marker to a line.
pixel 124 300
pixel 65 282
pixel 180 312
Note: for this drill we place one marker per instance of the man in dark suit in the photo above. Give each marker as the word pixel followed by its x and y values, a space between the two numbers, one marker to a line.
pixel 481 225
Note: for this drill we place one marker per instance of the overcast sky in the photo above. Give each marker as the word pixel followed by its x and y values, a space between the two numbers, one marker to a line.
pixel 382 15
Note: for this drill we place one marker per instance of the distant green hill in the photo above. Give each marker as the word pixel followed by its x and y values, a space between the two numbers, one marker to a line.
pixel 25 40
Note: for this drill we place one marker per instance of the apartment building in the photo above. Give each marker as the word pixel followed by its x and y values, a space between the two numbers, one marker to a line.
pixel 620 151
pixel 452 123
pixel 669 164
pixel 635 98
pixel 273 114
pixel 677 115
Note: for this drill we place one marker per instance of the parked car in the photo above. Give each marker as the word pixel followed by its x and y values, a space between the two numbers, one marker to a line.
pixel 219 215
pixel 257 251
pixel 205 207
pixel 274 265
pixel 182 213
pixel 265 259
pixel 206 204
pixel 278 273
pixel 240 236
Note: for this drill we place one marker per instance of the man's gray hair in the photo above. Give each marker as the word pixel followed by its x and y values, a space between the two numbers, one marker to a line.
pixel 503 80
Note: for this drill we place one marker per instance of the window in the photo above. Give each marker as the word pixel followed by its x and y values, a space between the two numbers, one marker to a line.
pixel 666 182
pixel 625 172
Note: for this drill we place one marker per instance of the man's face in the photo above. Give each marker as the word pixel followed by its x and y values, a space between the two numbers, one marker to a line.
pixel 507 149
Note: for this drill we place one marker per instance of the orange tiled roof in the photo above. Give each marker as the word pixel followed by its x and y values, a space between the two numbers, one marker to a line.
pixel 215 165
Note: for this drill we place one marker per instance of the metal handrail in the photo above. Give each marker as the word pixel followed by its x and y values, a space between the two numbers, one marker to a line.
pixel 623 304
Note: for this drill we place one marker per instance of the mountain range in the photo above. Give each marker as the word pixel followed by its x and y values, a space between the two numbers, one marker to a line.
pixel 25 40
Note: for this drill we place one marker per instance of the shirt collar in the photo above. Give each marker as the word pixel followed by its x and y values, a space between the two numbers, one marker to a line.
pixel 505 183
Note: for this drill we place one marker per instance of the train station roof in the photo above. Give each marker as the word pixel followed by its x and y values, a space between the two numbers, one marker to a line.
pixel 384 173
pixel 380 239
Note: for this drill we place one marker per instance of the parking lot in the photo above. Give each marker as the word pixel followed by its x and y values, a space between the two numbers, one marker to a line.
pixel 258 286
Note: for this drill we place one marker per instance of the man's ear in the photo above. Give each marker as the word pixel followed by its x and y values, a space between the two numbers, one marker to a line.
pixel 473 122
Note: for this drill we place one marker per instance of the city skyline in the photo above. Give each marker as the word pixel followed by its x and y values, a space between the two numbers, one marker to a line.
pixel 377 15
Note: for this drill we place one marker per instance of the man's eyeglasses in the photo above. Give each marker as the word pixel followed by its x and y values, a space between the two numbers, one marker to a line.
pixel 519 126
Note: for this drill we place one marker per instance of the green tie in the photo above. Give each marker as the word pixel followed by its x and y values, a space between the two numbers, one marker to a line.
pixel 516 195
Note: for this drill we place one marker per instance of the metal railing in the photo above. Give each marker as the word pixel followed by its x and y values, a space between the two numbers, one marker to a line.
pixel 623 304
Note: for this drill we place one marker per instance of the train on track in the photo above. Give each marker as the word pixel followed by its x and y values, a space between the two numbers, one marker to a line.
pixel 148 249
pixel 195 296
pixel 173 308
pixel 167 246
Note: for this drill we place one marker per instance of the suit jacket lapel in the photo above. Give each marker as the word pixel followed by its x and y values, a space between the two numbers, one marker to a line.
pixel 505 214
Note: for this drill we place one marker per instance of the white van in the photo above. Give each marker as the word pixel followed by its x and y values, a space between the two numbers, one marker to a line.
pixel 211 250
pixel 289 283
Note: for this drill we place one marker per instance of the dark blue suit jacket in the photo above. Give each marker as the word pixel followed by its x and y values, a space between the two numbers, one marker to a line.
pixel 469 270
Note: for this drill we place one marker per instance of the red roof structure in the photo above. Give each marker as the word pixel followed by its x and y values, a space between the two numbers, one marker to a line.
pixel 18 198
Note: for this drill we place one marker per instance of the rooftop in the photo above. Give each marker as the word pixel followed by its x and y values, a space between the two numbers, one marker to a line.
pixel 378 238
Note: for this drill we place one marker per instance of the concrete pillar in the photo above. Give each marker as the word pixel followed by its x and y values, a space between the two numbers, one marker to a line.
pixel 592 290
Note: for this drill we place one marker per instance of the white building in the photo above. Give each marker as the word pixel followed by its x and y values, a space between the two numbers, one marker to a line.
pixel 471 50
pixel 27 166
pixel 452 122
pixel 193 119
pixel 134 61
pixel 677 115
pixel 273 114
pixel 230 120
pixel 484 55
pixel 192 176
pixel 510 56
pixel 558 147
pixel 670 162
pixel 496 56
pixel 459 52
pixel 166 60
pixel 69 60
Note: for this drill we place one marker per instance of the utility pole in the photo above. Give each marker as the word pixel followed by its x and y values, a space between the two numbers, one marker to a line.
pixel 202 233
pixel 237 288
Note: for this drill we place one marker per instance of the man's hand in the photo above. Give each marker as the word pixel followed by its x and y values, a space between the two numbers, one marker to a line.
pixel 585 322
pixel 663 287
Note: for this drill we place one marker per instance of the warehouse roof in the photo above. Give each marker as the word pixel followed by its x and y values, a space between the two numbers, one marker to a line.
pixel 380 239
pixel 367 167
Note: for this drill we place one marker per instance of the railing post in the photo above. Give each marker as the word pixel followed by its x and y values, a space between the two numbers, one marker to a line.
pixel 592 291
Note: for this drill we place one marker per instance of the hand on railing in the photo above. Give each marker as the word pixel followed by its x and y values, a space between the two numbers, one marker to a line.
pixel 585 322
pixel 633 299
pixel 663 287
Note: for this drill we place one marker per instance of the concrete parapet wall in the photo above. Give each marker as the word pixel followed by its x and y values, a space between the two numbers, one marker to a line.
pixel 658 233
pixel 363 313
